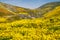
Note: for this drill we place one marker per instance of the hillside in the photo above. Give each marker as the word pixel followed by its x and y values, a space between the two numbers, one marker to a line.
pixel 42 23
pixel 46 8
pixel 24 13
pixel 12 8
pixel 14 12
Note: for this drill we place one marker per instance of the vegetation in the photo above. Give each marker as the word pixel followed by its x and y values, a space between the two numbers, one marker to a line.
pixel 39 28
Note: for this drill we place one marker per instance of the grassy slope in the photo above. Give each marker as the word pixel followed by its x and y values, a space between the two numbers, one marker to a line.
pixel 45 28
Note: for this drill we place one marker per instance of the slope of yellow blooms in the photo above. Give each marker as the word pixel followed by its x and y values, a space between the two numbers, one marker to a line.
pixel 27 29
pixel 55 11
pixel 32 29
